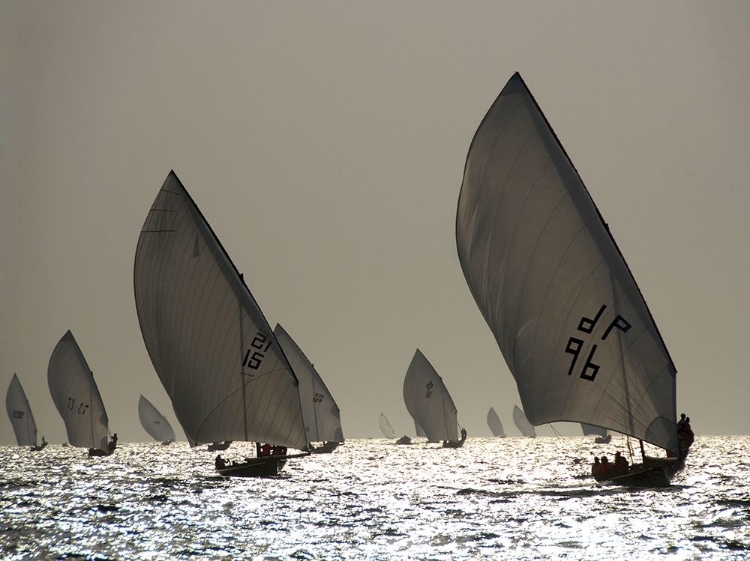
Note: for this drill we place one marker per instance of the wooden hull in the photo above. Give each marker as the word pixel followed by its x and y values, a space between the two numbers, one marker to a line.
pixel 404 440
pixel 255 467
pixel 326 448
pixel 653 473
pixel 97 452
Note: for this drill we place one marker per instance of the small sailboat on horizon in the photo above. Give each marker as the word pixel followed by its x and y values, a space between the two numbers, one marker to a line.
pixel 387 429
pixel 554 288
pixel 154 423
pixel 602 436
pixel 496 426
pixel 77 398
pixel 522 423
pixel 430 405
pixel 21 417
pixel 210 344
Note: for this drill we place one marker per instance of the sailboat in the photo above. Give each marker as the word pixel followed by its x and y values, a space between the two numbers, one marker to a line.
pixel 154 423
pixel 496 426
pixel 319 410
pixel 209 342
pixel 555 290
pixel 602 436
pixel 522 423
pixel 430 405
pixel 21 417
pixel 387 429
pixel 419 431
pixel 77 398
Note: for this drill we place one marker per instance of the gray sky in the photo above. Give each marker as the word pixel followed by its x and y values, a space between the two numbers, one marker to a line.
pixel 325 144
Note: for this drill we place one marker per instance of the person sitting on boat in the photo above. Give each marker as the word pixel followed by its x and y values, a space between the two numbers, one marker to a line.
pixel 605 470
pixel 220 462
pixel 44 442
pixel 596 467
pixel 265 449
pixel 681 422
pixel 621 464
pixel 113 443
pixel 278 451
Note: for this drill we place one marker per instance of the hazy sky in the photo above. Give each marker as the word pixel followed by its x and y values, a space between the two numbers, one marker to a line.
pixel 325 144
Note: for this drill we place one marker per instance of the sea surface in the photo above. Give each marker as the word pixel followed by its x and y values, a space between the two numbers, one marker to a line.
pixel 511 498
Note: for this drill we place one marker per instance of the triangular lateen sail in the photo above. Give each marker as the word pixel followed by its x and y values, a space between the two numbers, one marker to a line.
pixel 208 340
pixel 19 413
pixel 153 422
pixel 385 427
pixel 319 410
pixel 522 423
pixel 428 401
pixel 76 396
pixel 493 421
pixel 419 430
pixel 552 285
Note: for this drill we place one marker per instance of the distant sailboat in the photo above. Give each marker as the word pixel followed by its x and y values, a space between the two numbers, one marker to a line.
pixel 319 410
pixel 76 396
pixel 154 423
pixel 603 436
pixel 19 413
pixel 522 423
pixel 419 430
pixel 429 403
pixel 493 421
pixel 385 427
pixel 208 339
pixel 556 291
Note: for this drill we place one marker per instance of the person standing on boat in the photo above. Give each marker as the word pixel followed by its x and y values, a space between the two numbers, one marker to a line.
pixel 621 464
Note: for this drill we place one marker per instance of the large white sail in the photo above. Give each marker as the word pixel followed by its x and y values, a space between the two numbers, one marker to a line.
pixel 428 401
pixel 19 413
pixel 208 340
pixel 522 423
pixel 553 286
pixel 76 396
pixel 319 410
pixel 493 421
pixel 385 427
pixel 153 422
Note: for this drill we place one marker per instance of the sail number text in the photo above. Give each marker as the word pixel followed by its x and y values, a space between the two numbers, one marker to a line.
pixel 79 408
pixel 574 346
pixel 18 414
pixel 318 397
pixel 257 352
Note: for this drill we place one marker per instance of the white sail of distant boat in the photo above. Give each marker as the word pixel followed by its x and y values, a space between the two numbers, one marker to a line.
pixel 385 427
pixel 319 409
pixel 19 413
pixel 552 284
pixel 76 396
pixel 428 401
pixel 419 430
pixel 208 339
pixel 154 423
pixel 522 423
pixel 493 421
